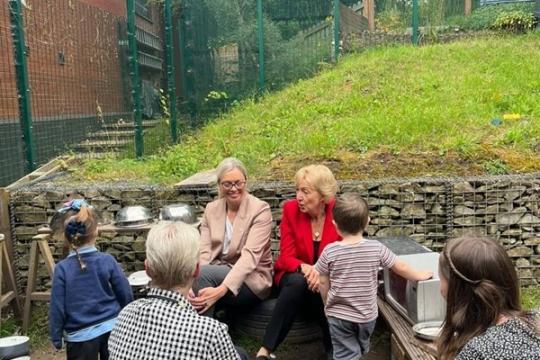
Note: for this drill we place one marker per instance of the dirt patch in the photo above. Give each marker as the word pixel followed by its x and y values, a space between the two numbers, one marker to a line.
pixel 380 349
pixel 47 353
pixel 390 164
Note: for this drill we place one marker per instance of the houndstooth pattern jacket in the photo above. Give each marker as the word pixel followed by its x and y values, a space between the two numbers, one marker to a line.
pixel 165 326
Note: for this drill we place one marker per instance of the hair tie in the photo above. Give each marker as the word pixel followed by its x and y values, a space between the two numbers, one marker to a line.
pixel 456 271
pixel 73 205
pixel 74 227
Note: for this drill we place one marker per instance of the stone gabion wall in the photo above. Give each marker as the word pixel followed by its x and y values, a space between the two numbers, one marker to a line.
pixel 428 210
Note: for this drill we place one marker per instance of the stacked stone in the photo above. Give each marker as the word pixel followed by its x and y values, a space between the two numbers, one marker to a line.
pixel 507 210
pixel 427 210
pixel 34 208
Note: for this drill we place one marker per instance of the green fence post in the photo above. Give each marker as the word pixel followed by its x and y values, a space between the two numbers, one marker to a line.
pixel 23 90
pixel 186 43
pixel 170 68
pixel 337 29
pixel 415 22
pixel 260 36
pixel 135 79
pixel 182 52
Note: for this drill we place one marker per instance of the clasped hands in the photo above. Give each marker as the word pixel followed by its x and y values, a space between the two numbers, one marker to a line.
pixel 311 275
pixel 206 298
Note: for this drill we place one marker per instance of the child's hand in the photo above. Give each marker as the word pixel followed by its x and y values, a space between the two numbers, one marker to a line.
pixel 424 275
pixel 312 278
pixel 57 346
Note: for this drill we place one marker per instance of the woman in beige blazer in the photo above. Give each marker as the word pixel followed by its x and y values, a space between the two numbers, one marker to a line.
pixel 235 261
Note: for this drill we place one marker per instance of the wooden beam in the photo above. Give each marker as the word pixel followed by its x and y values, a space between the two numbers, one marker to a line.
pixel 468 7
pixel 369 12
pixel 5 222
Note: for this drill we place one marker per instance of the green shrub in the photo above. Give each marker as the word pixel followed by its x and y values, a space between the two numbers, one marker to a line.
pixel 484 17
pixel 496 167
pixel 515 21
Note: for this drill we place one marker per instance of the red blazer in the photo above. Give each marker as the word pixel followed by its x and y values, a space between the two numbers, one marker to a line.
pixel 296 244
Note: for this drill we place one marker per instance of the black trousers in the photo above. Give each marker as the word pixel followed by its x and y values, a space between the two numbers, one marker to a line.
pixel 213 276
pixel 89 350
pixel 295 297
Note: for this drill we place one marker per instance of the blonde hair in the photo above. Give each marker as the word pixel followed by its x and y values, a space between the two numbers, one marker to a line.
pixel 226 165
pixel 230 164
pixel 172 252
pixel 320 178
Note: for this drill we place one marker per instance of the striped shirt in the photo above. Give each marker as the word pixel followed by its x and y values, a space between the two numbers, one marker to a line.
pixel 352 270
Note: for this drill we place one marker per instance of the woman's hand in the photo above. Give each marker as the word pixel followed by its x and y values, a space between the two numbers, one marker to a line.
pixel 197 304
pixel 312 277
pixel 209 296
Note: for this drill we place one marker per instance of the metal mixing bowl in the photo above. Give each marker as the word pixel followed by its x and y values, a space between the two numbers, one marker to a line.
pixel 132 216
pixel 179 212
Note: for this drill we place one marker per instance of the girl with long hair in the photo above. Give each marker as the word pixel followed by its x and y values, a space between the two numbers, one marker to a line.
pixel 484 317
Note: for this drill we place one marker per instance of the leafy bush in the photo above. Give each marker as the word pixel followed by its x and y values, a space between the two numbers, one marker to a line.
pixel 484 17
pixel 515 21
pixel 391 20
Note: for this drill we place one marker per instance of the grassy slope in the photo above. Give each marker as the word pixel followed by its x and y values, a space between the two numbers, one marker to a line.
pixel 399 111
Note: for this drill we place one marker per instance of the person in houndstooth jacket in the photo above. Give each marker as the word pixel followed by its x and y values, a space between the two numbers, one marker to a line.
pixel 164 325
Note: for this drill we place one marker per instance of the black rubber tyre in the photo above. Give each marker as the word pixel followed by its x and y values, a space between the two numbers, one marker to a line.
pixel 254 322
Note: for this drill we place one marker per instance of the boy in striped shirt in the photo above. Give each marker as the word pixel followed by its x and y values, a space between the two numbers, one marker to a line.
pixel 348 278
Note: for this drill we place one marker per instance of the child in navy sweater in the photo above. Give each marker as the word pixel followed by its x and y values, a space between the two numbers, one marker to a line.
pixel 88 291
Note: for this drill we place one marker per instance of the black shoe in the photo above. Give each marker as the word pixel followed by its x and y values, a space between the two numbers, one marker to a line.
pixel 262 357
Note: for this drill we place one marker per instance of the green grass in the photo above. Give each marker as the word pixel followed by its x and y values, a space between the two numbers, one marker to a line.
pixel 385 112
pixel 530 298
pixel 38 331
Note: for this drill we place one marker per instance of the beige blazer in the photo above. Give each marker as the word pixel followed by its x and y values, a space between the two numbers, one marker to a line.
pixel 249 252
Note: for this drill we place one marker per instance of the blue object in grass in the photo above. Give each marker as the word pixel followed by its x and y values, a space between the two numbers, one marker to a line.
pixel 496 122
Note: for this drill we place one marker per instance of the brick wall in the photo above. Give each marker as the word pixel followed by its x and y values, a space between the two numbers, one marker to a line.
pixel 8 89
pixel 89 74
pixel 73 58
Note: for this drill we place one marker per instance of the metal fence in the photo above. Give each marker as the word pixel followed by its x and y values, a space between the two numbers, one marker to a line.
pixel 87 76
pixel 12 159
pixel 65 61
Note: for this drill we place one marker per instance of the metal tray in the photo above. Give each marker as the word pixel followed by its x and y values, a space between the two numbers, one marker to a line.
pixel 429 330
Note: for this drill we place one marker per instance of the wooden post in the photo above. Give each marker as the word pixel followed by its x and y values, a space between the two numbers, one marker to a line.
pixel 468 7
pixel 5 222
pixel 369 13
pixel 7 276
pixel 40 244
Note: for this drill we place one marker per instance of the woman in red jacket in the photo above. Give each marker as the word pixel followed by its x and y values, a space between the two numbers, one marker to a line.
pixel 306 228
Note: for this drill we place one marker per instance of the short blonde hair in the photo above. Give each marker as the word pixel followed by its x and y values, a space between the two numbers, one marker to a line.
pixel 320 178
pixel 172 252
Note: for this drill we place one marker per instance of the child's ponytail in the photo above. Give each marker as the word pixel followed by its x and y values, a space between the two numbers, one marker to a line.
pixel 80 226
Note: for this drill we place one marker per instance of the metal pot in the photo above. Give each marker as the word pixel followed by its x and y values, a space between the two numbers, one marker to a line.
pixel 179 212
pixel 133 216
pixel 14 346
